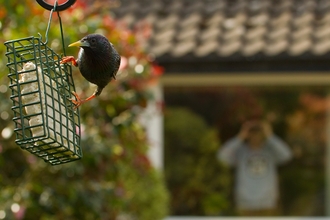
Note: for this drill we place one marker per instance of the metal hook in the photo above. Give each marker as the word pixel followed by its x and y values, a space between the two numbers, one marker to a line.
pixel 62 35
pixel 49 21
pixel 61 7
pixel 48 25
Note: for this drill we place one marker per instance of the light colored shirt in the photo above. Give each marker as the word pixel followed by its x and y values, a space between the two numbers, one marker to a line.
pixel 256 174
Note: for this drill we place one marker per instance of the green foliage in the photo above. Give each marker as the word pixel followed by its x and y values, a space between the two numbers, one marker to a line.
pixel 197 181
pixel 114 177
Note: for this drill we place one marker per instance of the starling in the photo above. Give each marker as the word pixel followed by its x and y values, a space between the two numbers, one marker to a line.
pixel 98 61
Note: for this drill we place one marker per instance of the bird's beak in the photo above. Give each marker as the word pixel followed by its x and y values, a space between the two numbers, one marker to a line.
pixel 80 44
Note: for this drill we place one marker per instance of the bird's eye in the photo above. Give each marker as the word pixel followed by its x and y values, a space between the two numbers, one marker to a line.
pixel 93 40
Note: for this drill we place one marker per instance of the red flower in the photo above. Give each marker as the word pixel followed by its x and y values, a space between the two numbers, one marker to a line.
pixel 109 22
pixel 156 70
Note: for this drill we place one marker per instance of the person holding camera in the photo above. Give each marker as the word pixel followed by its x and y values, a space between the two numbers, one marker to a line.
pixel 255 153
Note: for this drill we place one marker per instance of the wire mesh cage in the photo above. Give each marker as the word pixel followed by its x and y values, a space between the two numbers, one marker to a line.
pixel 46 121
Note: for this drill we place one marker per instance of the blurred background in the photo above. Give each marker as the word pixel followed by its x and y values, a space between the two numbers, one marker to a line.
pixel 192 72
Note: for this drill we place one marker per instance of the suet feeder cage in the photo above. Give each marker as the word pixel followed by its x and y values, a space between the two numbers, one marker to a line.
pixel 46 121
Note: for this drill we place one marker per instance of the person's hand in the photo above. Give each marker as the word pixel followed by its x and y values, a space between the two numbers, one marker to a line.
pixel 267 129
pixel 244 132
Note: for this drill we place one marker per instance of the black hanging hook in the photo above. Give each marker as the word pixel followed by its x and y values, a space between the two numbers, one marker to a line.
pixel 54 8
pixel 61 7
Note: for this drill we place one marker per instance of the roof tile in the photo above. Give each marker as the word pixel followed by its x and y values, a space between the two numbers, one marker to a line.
pixel 300 47
pixel 206 48
pixel 161 48
pixel 281 32
pixel 225 28
pixel 301 33
pixel 276 47
pixel 229 48
pixel 253 47
pixel 257 32
pixel 210 33
pixel 183 48
pixel 165 36
pixel 188 33
pixel 191 20
pixel 321 47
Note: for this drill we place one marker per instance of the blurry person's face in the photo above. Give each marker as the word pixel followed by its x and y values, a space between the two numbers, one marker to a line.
pixel 255 139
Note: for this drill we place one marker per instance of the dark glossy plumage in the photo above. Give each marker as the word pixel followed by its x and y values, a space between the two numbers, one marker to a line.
pixel 98 61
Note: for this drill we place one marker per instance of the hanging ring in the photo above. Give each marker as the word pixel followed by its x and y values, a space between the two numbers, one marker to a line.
pixel 61 7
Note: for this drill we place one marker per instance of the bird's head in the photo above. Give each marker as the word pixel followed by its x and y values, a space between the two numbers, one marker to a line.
pixel 93 41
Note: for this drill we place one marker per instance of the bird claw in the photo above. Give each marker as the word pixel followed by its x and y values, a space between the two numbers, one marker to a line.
pixel 77 101
pixel 69 59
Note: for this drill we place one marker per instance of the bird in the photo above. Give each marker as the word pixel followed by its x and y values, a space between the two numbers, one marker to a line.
pixel 98 62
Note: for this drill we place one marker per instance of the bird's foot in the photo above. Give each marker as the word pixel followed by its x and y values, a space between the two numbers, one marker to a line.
pixel 69 59
pixel 77 101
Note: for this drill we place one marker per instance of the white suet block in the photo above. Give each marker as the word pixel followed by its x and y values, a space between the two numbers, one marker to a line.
pixel 45 105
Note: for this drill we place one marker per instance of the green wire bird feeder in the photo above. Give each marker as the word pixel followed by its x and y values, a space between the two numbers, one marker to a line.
pixel 46 121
